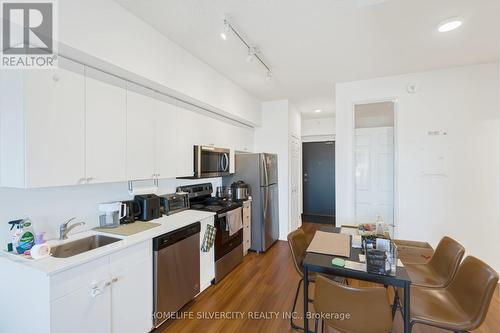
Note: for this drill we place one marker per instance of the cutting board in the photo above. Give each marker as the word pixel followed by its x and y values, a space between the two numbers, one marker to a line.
pixel 129 229
pixel 331 243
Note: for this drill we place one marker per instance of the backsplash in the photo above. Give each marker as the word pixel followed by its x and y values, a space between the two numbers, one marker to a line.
pixel 49 207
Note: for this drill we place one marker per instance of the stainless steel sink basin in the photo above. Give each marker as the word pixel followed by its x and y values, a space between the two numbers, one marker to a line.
pixel 81 245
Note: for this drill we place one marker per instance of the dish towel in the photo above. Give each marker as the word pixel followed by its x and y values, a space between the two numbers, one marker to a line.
pixel 208 239
pixel 234 221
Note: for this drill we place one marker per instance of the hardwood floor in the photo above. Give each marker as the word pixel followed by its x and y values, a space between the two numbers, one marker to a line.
pixel 256 296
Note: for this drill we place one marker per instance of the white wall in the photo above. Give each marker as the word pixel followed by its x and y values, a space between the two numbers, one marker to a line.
pixel 49 207
pixel 318 129
pixel 464 204
pixel 103 33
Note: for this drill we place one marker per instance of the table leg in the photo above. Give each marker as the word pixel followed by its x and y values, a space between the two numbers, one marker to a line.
pixel 406 308
pixel 306 298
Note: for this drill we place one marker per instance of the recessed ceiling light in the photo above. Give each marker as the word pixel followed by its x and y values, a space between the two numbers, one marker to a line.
pixel 223 36
pixel 317 110
pixel 449 25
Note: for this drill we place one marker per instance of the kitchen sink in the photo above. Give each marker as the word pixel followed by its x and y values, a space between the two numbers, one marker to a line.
pixel 81 245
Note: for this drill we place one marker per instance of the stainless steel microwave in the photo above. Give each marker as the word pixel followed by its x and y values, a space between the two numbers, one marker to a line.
pixel 211 162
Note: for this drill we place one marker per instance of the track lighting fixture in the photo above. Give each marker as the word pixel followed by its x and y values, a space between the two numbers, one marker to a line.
pixel 253 52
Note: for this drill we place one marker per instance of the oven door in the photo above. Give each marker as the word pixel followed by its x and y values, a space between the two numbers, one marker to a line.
pixel 211 161
pixel 223 242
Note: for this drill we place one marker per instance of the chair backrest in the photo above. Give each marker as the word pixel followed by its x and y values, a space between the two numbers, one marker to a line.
pixel 298 245
pixel 473 288
pixel 367 309
pixel 447 258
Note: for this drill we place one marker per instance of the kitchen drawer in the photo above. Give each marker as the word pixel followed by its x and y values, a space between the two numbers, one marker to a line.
pixel 83 275
pixel 131 256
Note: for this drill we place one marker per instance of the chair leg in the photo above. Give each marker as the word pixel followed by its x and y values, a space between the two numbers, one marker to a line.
pixel 294 305
pixel 322 326
pixel 395 303
pixel 316 325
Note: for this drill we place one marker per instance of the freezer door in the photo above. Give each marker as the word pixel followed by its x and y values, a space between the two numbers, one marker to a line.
pixel 270 222
pixel 268 169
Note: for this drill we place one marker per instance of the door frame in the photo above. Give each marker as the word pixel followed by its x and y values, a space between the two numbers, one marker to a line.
pixel 300 193
pixel 396 156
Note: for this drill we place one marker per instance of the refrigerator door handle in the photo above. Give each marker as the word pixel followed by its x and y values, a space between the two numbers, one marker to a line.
pixel 266 202
pixel 264 169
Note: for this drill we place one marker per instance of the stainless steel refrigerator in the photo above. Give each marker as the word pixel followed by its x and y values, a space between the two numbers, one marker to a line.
pixel 260 171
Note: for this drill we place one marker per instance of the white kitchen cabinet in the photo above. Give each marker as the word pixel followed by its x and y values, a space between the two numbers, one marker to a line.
pixel 207 259
pixel 106 124
pixel 247 226
pixel 132 289
pixel 43 126
pixel 189 135
pixel 108 295
pixel 166 139
pixel 141 137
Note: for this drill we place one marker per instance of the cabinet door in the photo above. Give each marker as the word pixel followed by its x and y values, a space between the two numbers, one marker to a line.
pixel 106 126
pixel 87 309
pixel 55 125
pixel 166 139
pixel 132 289
pixel 141 137
pixel 188 136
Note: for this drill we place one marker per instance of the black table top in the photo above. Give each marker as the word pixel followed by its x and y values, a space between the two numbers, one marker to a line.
pixel 322 263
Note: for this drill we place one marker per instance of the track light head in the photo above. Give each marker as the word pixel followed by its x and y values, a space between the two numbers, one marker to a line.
pixel 226 30
pixel 251 54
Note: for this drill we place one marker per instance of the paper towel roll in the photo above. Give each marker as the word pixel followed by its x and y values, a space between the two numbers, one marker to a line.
pixel 39 251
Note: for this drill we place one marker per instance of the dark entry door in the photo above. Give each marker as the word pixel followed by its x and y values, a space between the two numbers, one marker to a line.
pixel 319 181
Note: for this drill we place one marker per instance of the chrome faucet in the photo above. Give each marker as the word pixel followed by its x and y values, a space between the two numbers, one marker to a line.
pixel 64 229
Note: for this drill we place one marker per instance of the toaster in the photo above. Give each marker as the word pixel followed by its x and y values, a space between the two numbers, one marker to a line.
pixel 149 205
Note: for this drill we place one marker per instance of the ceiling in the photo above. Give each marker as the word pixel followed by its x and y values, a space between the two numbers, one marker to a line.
pixel 311 45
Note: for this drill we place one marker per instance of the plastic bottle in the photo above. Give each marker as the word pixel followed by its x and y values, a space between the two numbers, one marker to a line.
pixel 23 238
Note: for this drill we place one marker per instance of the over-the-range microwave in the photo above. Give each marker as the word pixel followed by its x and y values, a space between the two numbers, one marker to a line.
pixel 211 162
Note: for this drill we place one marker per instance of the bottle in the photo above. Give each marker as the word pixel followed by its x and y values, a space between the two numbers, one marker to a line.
pixel 379 225
pixel 23 237
pixel 41 249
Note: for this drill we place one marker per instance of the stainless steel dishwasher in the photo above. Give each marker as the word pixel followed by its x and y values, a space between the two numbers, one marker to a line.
pixel 176 264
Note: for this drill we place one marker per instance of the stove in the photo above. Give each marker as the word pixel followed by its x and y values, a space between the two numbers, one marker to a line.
pixel 228 248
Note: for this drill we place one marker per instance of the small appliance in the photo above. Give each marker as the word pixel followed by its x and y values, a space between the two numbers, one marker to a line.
pixel 149 205
pixel 220 192
pixel 241 190
pixel 132 211
pixel 174 203
pixel 111 213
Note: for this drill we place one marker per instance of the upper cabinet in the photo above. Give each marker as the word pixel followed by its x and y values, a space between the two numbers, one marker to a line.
pixel 77 125
pixel 141 137
pixel 43 126
pixel 105 127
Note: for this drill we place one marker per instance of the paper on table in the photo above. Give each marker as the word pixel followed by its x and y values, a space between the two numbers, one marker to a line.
pixel 349 231
pixel 356 241
pixel 330 243
pixel 358 266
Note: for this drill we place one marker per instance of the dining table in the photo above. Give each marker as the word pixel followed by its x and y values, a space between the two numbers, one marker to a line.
pixel 322 264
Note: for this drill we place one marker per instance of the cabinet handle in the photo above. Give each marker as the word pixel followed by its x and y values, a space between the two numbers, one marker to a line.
pixel 81 180
pixel 107 284
pixel 114 280
pixel 96 291
pixel 90 179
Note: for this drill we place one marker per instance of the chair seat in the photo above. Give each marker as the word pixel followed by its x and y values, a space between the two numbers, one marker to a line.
pixel 425 276
pixel 438 307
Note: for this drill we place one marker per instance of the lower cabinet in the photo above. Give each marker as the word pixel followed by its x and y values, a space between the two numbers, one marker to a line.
pixel 110 294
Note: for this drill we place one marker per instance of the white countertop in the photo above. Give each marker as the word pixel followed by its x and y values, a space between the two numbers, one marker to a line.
pixel 53 265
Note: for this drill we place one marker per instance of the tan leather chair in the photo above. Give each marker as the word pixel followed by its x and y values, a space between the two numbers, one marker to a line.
pixel 441 268
pixel 368 308
pixel 462 305
pixel 298 243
